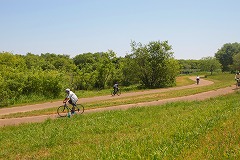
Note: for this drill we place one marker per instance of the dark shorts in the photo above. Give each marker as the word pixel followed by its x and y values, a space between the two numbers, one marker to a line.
pixel 70 102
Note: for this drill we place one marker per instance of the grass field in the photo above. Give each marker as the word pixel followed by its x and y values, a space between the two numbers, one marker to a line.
pixel 184 130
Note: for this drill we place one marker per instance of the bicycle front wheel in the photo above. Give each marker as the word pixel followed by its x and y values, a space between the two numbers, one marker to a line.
pixel 79 108
pixel 62 111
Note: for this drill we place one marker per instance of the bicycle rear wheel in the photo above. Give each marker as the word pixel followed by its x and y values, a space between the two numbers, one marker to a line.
pixel 119 92
pixel 79 108
pixel 63 111
pixel 113 93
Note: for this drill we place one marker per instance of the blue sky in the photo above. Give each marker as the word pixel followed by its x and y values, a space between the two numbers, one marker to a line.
pixel 194 28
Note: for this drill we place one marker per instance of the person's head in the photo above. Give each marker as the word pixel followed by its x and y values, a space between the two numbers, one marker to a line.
pixel 67 90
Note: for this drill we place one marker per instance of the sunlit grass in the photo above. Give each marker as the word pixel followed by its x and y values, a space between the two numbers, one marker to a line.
pixel 183 130
pixel 183 81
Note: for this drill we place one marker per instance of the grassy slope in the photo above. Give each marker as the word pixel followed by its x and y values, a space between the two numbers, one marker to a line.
pixel 183 130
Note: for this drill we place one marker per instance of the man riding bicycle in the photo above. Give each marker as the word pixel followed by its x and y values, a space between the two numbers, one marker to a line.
pixel 115 87
pixel 237 78
pixel 197 79
pixel 71 98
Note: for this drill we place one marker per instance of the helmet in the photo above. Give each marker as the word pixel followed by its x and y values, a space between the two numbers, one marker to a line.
pixel 67 90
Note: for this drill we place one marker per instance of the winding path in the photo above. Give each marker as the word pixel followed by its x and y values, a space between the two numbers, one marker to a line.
pixel 199 96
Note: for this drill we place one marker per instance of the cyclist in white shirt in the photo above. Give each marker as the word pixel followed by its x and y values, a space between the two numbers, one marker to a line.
pixel 197 79
pixel 115 87
pixel 71 98
pixel 237 78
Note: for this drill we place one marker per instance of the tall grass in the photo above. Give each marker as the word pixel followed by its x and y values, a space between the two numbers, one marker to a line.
pixel 183 130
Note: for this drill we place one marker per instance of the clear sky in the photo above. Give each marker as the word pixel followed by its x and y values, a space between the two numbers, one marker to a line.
pixel 194 28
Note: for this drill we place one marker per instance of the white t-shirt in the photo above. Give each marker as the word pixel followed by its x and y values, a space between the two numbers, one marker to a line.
pixel 72 96
pixel 237 76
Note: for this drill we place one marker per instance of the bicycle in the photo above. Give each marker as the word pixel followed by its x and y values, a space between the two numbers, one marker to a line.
pixel 116 92
pixel 65 110
pixel 237 83
pixel 198 81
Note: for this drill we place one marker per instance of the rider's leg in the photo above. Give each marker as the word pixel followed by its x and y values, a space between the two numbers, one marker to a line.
pixel 73 106
pixel 73 109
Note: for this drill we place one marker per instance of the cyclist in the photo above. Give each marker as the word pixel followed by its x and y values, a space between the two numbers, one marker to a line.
pixel 197 79
pixel 115 87
pixel 237 77
pixel 71 98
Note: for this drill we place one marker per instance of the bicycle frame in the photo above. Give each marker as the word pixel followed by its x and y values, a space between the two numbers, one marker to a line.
pixel 65 110
pixel 116 92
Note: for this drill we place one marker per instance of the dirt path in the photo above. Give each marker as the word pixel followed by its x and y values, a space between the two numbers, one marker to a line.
pixel 200 96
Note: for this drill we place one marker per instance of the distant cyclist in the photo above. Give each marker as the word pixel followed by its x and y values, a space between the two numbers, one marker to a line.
pixel 237 78
pixel 115 87
pixel 71 98
pixel 197 79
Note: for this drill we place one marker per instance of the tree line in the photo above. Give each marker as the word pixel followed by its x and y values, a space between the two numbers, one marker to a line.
pixel 149 65
pixel 226 59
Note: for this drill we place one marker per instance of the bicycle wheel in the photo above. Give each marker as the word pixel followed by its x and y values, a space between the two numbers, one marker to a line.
pixel 113 93
pixel 197 81
pixel 119 92
pixel 79 108
pixel 63 111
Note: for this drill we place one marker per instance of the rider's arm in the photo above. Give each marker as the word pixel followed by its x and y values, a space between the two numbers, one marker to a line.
pixel 65 100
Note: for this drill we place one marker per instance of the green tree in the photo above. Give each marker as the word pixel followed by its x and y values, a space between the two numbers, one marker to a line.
pixel 210 64
pixel 23 76
pixel 105 66
pixel 34 62
pixel 86 76
pixel 97 70
pixel 226 53
pixel 189 66
pixel 85 59
pixel 236 62
pixel 157 67
pixel 8 60
pixel 130 71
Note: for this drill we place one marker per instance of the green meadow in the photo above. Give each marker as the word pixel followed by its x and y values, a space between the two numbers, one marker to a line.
pixel 185 130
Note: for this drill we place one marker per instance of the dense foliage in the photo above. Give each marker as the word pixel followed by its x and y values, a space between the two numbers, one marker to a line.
pixel 46 75
pixel 205 64
pixel 154 64
pixel 226 54
pixel 28 75
pixel 151 66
